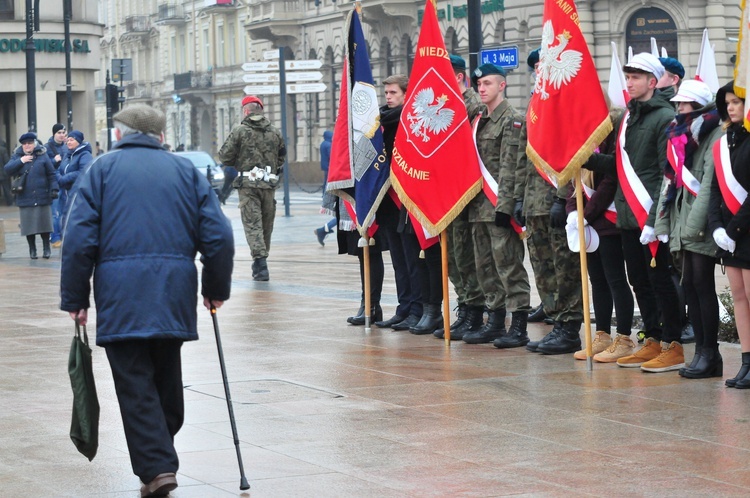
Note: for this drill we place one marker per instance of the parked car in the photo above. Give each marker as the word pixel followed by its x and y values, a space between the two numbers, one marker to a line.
pixel 204 162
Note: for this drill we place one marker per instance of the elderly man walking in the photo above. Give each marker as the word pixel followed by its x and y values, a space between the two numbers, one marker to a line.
pixel 136 222
pixel 256 148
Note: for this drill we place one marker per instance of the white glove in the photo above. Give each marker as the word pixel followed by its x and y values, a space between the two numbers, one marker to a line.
pixel 647 235
pixel 724 241
pixel 663 238
pixel 573 219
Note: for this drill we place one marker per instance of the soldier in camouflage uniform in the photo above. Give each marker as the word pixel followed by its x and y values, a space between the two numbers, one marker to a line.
pixel 557 270
pixel 498 250
pixel 257 150
pixel 462 269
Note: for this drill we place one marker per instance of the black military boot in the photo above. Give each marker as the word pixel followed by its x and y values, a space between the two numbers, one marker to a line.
pixel 537 314
pixel 460 319
pixel 709 364
pixel 567 341
pixel 472 323
pixel 516 336
pixel 262 274
pixel 493 329
pixel 556 329
pixel 744 370
pixel 431 319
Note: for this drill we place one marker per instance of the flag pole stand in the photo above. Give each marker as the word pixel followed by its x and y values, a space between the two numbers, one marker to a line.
pixel 446 300
pixel 584 274
pixel 366 283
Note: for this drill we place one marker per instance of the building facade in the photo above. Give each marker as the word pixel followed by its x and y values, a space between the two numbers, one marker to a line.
pixel 50 74
pixel 187 56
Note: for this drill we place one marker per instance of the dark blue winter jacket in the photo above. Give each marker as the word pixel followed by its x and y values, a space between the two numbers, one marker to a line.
pixel 137 218
pixel 53 149
pixel 325 150
pixel 72 165
pixel 40 179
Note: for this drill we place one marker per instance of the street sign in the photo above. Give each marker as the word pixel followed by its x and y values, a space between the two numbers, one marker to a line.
pixel 306 88
pixel 262 90
pixel 304 76
pixel 505 57
pixel 261 66
pixel 308 64
pixel 270 54
pixel 261 77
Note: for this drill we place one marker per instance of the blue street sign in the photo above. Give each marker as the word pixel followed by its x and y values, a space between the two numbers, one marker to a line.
pixel 505 57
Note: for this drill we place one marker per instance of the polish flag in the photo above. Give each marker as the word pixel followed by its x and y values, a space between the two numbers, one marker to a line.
pixel 617 90
pixel 706 70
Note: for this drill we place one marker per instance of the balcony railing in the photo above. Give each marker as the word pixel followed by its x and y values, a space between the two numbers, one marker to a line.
pixel 191 80
pixel 137 24
pixel 170 13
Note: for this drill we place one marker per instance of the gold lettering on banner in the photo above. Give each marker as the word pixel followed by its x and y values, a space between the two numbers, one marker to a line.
pixel 417 174
pixel 565 6
pixel 534 116
pixel 433 52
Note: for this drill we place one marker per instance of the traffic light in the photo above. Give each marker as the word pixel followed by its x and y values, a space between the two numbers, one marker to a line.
pixel 115 97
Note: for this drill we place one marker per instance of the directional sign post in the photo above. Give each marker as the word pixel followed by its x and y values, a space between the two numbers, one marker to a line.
pixel 306 87
pixel 505 57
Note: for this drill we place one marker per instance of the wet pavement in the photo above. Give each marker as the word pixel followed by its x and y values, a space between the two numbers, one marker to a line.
pixel 327 409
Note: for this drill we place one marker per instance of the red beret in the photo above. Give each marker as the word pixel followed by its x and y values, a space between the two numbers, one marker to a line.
pixel 250 99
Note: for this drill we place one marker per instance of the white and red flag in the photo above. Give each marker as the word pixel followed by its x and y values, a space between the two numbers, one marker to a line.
pixel 567 84
pixel 617 89
pixel 706 70
pixel 432 170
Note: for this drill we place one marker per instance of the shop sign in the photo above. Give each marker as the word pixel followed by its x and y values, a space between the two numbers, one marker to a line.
pixel 48 45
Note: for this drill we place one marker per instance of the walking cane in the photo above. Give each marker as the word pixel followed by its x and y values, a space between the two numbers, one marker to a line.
pixel 243 480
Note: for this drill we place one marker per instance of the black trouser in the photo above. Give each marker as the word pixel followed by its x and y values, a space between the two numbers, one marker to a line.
pixel 609 285
pixel 700 294
pixel 653 287
pixel 404 249
pixel 432 276
pixel 376 273
pixel 148 382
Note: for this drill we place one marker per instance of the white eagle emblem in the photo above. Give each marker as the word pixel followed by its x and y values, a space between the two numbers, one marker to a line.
pixel 428 116
pixel 556 65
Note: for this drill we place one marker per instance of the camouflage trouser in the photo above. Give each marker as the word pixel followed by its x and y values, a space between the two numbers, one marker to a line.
pixel 557 270
pixel 258 209
pixel 498 253
pixel 462 270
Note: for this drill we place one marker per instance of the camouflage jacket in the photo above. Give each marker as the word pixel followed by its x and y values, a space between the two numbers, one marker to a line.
pixel 502 147
pixel 255 142
pixel 537 193
pixel 473 103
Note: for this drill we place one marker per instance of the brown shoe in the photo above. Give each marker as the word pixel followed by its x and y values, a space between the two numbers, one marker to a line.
pixel 621 347
pixel 601 342
pixel 650 350
pixel 161 485
pixel 671 358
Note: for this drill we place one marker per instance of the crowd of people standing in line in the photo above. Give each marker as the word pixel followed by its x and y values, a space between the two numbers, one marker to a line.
pixel 673 135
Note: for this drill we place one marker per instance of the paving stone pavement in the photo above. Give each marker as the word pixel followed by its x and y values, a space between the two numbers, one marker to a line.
pixel 328 409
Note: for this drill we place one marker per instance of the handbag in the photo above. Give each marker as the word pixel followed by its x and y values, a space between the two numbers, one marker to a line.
pixel 84 426
pixel 19 183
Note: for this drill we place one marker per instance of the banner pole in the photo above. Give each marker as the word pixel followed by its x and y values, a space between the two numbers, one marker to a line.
pixel 446 301
pixel 584 273
pixel 366 283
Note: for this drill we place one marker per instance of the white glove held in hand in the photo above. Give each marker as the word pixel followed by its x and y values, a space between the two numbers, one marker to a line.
pixel 573 219
pixel 647 235
pixel 723 241
pixel 663 238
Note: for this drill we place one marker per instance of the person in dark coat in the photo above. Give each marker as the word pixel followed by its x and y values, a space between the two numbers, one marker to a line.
pixel 138 217
pixel 40 187
pixel 730 230
pixel 57 150
pixel 75 162
pixel 5 179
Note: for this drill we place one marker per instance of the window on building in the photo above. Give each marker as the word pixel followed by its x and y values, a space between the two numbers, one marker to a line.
pixel 183 54
pixel 232 45
pixel 173 59
pixel 206 48
pixel 222 126
pixel 6 10
pixel 221 62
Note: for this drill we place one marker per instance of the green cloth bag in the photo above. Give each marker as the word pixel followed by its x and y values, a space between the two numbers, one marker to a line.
pixel 84 427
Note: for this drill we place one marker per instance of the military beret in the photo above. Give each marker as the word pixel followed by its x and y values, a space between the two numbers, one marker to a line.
pixel 143 118
pixel 673 66
pixel 533 58
pixel 27 137
pixel 458 62
pixel 250 99
pixel 486 70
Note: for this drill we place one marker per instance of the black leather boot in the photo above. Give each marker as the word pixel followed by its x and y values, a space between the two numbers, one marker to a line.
pixel 516 336
pixel 709 364
pixel 537 314
pixel 460 318
pixel 262 270
pixel 46 252
pixel 567 341
pixel 556 329
pixel 493 329
pixel 472 322
pixel 32 246
pixel 360 315
pixel 431 319
pixel 742 374
pixel 693 362
pixel 376 314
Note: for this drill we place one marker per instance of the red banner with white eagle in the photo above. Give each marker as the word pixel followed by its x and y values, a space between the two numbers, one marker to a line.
pixel 434 169
pixel 567 116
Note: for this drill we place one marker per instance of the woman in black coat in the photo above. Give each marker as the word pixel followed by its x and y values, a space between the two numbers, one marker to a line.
pixel 729 219
pixel 40 187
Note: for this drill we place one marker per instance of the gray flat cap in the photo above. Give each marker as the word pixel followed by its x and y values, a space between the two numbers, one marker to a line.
pixel 142 118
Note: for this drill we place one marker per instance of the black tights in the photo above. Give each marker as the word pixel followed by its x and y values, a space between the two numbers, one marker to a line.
pixel 700 294
pixel 32 241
